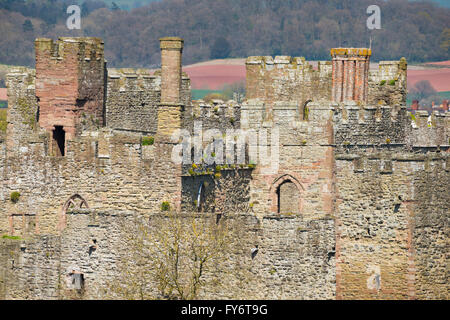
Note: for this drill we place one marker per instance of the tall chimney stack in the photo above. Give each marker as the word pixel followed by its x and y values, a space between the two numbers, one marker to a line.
pixel 170 108
pixel 350 74
pixel 171 50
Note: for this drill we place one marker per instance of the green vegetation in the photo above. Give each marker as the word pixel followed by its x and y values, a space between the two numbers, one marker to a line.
pixel 27 113
pixel 198 94
pixel 5 236
pixel 223 28
pixel 15 196
pixel 3 122
pixel 392 83
pixel 214 96
pixel 382 82
pixel 165 206
pixel 148 141
pixel 306 113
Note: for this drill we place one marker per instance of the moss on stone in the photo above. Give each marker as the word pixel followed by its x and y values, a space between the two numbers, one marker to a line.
pixel 27 113
pixel 5 236
pixel 148 141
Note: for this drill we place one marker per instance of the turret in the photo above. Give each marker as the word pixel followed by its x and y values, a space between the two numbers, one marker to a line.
pixel 70 87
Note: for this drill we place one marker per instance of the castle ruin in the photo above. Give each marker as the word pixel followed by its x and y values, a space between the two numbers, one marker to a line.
pixel 358 207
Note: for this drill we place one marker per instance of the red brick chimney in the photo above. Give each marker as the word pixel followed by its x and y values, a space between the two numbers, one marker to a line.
pixel 350 74
pixel 445 105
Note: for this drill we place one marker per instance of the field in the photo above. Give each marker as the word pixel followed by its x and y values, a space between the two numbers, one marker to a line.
pixel 213 75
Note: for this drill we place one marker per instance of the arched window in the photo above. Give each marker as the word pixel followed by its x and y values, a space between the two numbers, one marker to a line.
pixel 305 110
pixel 74 202
pixel 288 197
pixel 285 193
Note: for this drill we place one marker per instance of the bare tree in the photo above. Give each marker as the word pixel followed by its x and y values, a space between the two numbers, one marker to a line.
pixel 171 257
pixel 421 90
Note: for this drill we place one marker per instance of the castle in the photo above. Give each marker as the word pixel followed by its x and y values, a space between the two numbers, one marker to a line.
pixel 358 207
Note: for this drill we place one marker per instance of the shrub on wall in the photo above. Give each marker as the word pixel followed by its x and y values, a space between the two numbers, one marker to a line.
pixel 165 206
pixel 148 141
pixel 15 196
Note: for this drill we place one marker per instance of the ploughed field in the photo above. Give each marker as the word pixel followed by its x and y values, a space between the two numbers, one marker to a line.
pixel 214 74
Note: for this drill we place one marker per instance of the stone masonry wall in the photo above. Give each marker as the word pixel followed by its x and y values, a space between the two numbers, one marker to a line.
pixel 387 85
pixel 293 261
pixel 110 170
pixel 286 79
pixel 70 83
pixel 133 97
pixel 23 114
pixel 384 222
pixel 305 156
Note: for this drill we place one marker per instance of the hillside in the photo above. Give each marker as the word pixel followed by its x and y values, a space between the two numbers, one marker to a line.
pixel 214 29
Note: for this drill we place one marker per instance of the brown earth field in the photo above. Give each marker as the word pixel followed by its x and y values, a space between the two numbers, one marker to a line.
pixel 215 74
pixel 3 95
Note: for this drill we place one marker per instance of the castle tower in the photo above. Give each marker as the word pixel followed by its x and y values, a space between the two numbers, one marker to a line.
pixel 170 108
pixel 70 87
pixel 170 112
pixel 350 74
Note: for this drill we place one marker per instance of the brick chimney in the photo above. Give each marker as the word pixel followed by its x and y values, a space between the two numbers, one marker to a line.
pixel 415 105
pixel 170 109
pixel 350 74
pixel 445 105
pixel 171 50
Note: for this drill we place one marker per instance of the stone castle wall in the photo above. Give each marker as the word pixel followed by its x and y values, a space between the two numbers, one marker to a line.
pixel 356 208
pixel 287 79
pixel 133 97
pixel 293 260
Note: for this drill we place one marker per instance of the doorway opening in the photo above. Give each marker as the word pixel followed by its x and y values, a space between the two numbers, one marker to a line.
pixel 59 140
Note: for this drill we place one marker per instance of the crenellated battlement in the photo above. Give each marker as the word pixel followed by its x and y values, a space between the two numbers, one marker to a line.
pixel 70 86
pixel 387 85
pixel 86 48
pixel 127 79
pixel 370 125
pixel 133 96
pixel 429 130
pixel 217 114
pixel 269 63
pixel 284 78
pixel 22 114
